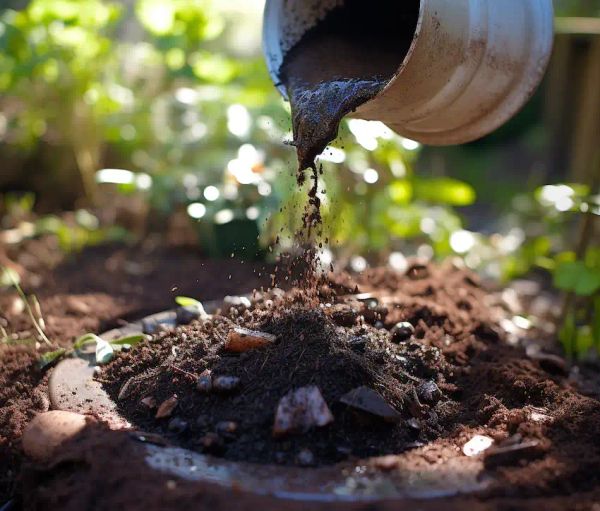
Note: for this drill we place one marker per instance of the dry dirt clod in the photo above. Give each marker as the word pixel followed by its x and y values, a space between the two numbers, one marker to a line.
pixel 149 402
pixel 205 383
pixel 226 384
pixel 178 425
pixel 241 340
pixel 301 410
pixel 166 408
pixel 185 315
pixel 368 400
pixel 358 343
pixel 227 429
pixel 386 463
pixel 429 393
pixel 305 458
pixel 402 332
pixel 47 431
pixel 211 443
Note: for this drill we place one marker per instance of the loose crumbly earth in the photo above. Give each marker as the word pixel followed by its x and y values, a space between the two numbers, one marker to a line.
pixel 96 290
pixel 487 386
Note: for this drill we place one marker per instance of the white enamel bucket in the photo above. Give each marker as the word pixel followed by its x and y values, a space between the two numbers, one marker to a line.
pixel 471 66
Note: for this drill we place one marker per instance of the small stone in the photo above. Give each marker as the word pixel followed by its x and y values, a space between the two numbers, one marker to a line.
pixel 402 332
pixel 386 463
pixel 358 343
pixel 305 458
pixel 343 315
pixel 149 402
pixel 185 315
pixel 417 272
pixel 477 445
pixel 177 425
pixel 97 371
pixel 236 301
pixel 226 384
pixel 150 327
pixel 205 383
pixel 202 421
pixel 126 348
pixel 367 400
pixel 429 393
pixel 301 410
pixel 227 429
pixel 166 408
pixel 212 443
pixel 47 431
pixel 414 424
pixel 241 340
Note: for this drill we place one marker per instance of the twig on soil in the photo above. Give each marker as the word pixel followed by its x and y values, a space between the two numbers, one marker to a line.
pixel 183 371
pixel 29 310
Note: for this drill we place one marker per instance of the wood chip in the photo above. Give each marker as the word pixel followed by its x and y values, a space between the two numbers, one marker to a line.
pixel 241 340
pixel 166 408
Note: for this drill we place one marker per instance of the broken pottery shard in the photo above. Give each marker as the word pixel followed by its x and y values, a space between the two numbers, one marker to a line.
pixel 301 410
pixel 477 445
pixel 166 408
pixel 241 340
pixel 367 400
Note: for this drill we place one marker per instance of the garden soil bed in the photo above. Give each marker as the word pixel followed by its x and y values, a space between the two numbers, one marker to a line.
pixel 429 392
pixel 98 289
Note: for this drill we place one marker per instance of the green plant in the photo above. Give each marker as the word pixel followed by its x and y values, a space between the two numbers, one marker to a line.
pixel 104 350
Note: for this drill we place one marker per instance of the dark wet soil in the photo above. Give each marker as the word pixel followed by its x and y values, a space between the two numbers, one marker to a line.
pixel 96 290
pixel 455 377
pixel 341 63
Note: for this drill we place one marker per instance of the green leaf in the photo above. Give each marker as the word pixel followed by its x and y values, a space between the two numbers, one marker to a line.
pixel 444 191
pixel 47 359
pixel 185 301
pixel 8 277
pixel 104 352
pixel 401 191
pixel 86 339
pixel 577 278
pixel 130 340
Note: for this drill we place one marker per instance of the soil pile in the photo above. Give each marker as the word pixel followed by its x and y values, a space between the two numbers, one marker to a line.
pixel 416 366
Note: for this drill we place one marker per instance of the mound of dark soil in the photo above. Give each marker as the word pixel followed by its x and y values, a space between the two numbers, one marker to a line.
pixel 453 378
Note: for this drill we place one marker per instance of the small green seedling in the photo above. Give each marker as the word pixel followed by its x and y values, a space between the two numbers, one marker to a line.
pixel 191 303
pixel 50 358
pixel 104 350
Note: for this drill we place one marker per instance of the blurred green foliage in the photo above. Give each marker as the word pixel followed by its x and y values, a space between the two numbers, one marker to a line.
pixel 158 91
pixel 168 101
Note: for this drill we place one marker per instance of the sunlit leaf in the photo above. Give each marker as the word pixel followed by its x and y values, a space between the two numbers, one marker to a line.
pixel 576 277
pixel 444 191
pixel 130 340
pixel 401 191
pixel 104 352
pixel 47 359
